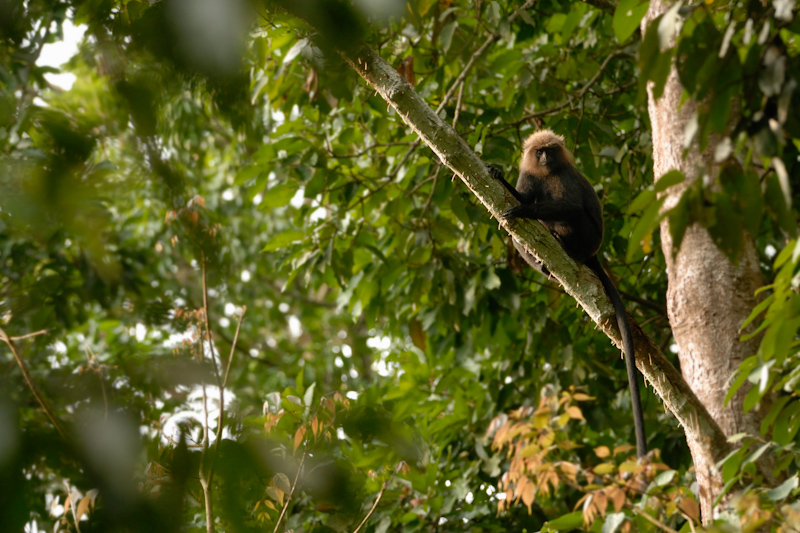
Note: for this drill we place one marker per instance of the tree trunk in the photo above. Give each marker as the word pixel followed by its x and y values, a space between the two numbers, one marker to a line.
pixel 708 297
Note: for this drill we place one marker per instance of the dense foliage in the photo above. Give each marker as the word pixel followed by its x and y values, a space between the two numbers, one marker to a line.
pixel 395 363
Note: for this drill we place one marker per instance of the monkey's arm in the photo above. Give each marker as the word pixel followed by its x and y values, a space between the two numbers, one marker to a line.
pixel 496 174
pixel 548 211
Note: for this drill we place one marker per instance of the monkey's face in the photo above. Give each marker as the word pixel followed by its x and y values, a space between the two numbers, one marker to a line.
pixel 542 160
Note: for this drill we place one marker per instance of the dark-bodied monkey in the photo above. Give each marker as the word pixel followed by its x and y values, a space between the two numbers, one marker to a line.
pixel 551 190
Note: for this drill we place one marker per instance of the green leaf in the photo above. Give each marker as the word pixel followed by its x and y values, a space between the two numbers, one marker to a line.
pixel 654 64
pixel 490 280
pixel 566 522
pixel 278 196
pixel 308 396
pixel 645 226
pixel 744 370
pixel 783 490
pixel 673 177
pixel 679 221
pixel 281 240
pixel 446 35
pixel 644 200
pixel 787 424
pixel 246 174
pixel 756 455
pixel 572 20
pixel 556 22
pixel 775 409
pixel 727 230
pixel 757 310
pixel 730 464
pixel 664 478
pixel 627 17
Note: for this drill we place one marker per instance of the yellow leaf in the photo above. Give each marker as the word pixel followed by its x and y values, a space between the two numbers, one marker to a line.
pixel 605 468
pixel 275 493
pixel 581 397
pixel 298 437
pixel 647 242
pixel 624 448
pixel 541 419
pixel 563 419
pixel 602 452
pixel 529 451
pixel 83 507
pixel 575 412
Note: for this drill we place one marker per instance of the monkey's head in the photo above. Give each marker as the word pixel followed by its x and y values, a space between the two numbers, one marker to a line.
pixel 544 153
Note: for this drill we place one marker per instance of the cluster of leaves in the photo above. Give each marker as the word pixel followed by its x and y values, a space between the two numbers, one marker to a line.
pixel 740 63
pixel 548 467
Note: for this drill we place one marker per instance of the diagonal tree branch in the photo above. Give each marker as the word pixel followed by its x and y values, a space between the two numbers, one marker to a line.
pixel 31 385
pixel 576 279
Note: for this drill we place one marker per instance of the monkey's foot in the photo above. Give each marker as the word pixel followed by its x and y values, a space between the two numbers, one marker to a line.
pixel 518 211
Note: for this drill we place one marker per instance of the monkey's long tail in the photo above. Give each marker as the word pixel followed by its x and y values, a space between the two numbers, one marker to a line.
pixel 627 345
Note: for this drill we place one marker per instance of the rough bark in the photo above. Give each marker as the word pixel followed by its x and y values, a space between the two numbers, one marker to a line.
pixel 708 297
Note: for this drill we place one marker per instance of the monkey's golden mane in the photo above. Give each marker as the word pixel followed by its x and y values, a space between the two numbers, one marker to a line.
pixel 544 138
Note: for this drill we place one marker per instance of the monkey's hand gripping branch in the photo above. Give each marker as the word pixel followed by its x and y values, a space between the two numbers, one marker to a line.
pixel 576 279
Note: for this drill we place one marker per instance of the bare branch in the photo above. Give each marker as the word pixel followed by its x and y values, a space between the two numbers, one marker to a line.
pixel 374 505
pixel 39 398
pixel 291 493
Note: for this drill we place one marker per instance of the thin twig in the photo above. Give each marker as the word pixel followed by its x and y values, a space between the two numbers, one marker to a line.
pixel 29 335
pixel 458 105
pixel 374 505
pixel 5 338
pixel 478 53
pixel 93 362
pixel 221 420
pixel 571 98
pixel 291 492
pixel 658 308
pixel 233 346
pixel 433 189
pixel 208 321
pixel 652 520
pixel 205 480
pixel 691 522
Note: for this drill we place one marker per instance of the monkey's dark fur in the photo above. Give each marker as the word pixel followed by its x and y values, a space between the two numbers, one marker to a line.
pixel 551 190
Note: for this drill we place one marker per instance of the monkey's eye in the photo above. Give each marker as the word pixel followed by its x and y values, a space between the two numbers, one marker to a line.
pixel 539 152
